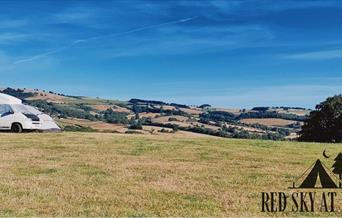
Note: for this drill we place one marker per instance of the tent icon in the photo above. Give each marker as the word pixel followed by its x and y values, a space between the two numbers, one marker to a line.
pixel 318 172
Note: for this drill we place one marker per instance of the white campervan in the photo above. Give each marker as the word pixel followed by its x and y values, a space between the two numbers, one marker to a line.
pixel 17 117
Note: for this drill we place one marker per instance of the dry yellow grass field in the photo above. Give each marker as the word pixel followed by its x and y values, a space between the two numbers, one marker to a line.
pixel 235 111
pixel 98 125
pixel 104 107
pixel 268 121
pixel 192 111
pixel 102 174
pixel 147 115
pixel 164 119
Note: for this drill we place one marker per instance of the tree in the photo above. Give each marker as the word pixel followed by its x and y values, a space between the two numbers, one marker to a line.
pixel 135 124
pixel 111 116
pixel 174 128
pixel 338 167
pixel 325 123
pixel 203 106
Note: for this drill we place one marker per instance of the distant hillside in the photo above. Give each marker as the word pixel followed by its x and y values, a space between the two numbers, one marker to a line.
pixel 139 116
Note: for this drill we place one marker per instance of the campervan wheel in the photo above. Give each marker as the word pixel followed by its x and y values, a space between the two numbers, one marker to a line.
pixel 16 128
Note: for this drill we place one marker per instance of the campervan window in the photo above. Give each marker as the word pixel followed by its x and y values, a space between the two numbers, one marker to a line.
pixel 32 110
pixel 20 108
pixel 25 109
pixel 5 109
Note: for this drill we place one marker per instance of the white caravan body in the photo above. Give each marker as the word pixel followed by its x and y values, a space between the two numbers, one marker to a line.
pixel 16 116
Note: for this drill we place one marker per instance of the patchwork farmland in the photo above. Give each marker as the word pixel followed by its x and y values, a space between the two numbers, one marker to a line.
pixel 137 116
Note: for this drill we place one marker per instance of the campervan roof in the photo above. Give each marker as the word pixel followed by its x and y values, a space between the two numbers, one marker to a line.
pixel 7 99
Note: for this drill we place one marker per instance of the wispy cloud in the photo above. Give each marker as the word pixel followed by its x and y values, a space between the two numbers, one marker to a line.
pixel 294 4
pixel 40 56
pixel 12 23
pixel 10 37
pixel 12 74
pixel 90 15
pixel 84 40
pixel 75 16
pixel 263 6
pixel 5 62
pixel 80 15
pixel 172 40
pixel 317 55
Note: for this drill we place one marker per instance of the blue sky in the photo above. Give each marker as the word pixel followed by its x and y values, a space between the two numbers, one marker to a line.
pixel 225 53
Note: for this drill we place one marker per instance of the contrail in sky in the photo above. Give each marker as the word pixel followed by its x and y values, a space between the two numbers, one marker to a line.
pixel 78 41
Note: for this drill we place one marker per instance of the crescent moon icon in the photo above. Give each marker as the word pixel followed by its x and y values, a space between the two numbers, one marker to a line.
pixel 325 154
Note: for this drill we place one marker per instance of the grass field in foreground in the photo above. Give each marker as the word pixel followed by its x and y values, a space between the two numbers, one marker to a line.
pixel 99 174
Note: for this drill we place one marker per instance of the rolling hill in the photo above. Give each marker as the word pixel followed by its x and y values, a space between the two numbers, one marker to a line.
pixel 138 116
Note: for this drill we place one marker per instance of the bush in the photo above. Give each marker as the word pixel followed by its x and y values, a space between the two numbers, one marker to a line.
pixel 171 119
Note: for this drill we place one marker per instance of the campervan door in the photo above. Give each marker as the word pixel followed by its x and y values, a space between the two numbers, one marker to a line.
pixel 6 116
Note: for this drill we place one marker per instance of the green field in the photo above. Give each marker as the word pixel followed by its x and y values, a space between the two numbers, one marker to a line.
pixel 99 174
